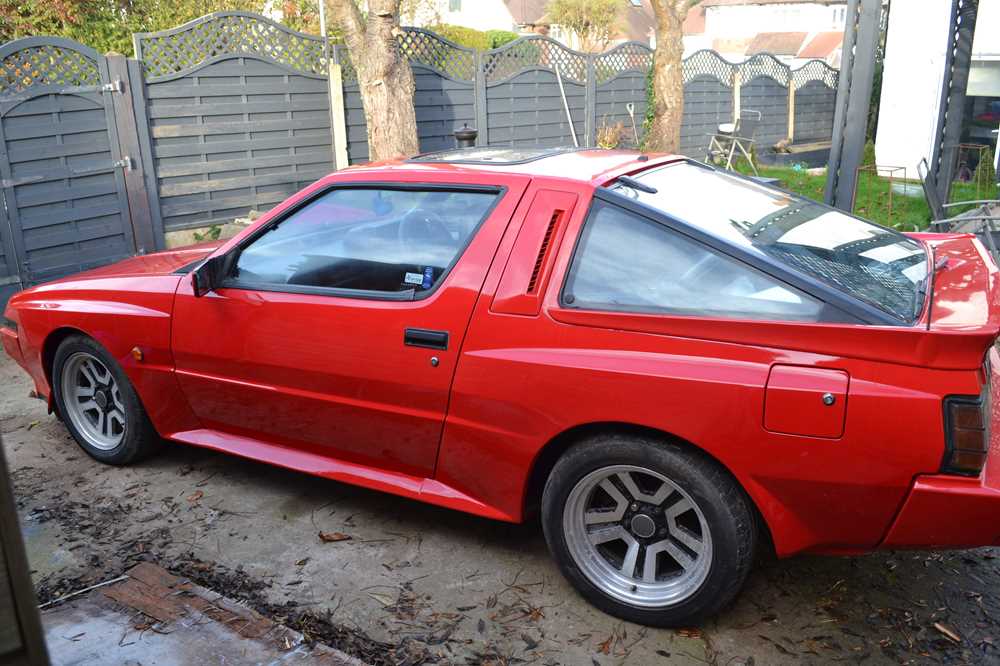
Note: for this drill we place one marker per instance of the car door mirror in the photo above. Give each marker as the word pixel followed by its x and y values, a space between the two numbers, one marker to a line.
pixel 209 275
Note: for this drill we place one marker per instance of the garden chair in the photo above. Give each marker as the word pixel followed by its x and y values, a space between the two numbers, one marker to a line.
pixel 734 140
pixel 981 220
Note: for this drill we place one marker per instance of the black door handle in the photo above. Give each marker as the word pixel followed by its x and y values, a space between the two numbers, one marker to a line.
pixel 422 337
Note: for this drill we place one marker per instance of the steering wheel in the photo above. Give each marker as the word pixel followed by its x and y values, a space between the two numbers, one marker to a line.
pixel 423 227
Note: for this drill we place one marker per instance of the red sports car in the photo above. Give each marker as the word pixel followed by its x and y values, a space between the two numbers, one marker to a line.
pixel 672 364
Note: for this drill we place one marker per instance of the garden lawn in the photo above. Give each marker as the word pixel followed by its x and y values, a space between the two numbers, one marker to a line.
pixel 872 201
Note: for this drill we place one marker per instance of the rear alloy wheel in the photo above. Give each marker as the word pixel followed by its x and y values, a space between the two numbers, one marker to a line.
pixel 648 531
pixel 98 404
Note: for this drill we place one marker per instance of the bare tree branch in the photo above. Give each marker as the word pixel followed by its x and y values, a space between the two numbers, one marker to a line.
pixel 348 16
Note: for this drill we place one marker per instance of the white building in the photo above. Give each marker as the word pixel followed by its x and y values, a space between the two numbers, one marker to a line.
pixel 794 30
pixel 528 17
pixel 913 76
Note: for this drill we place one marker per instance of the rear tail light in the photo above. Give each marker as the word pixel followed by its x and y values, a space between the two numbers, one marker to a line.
pixel 967 433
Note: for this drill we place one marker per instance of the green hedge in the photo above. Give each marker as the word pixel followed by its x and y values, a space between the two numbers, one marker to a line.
pixel 500 37
pixel 474 39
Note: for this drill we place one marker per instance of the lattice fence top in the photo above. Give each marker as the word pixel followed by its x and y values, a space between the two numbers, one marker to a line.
pixel 534 51
pixel 38 61
pixel 427 48
pixel 182 48
pixel 705 62
pixel 815 70
pixel 764 64
pixel 623 58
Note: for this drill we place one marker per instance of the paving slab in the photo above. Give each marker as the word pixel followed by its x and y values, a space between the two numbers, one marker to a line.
pixel 151 617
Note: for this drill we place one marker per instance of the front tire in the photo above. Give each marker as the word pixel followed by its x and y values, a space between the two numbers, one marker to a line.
pixel 98 404
pixel 647 530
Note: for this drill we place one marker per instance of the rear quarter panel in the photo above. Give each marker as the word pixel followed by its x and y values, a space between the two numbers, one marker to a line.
pixel 524 380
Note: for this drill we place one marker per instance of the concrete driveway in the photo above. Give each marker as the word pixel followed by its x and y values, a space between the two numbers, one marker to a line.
pixel 415 583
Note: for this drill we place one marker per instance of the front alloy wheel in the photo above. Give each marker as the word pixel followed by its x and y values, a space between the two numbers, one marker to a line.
pixel 99 404
pixel 648 530
pixel 93 401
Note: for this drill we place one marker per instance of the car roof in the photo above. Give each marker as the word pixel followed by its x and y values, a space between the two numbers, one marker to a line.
pixel 592 166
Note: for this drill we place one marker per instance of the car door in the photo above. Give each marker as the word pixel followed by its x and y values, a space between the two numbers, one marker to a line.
pixel 336 331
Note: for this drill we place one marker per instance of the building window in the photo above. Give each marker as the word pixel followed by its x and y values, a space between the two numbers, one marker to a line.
pixel 454 5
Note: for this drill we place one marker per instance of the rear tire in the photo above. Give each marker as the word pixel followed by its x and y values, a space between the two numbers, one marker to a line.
pixel 648 530
pixel 99 405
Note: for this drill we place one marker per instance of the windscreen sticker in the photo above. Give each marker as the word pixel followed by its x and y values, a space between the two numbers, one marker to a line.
pixel 428 277
pixel 413 278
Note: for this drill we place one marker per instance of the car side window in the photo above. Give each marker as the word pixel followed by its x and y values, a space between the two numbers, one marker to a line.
pixel 367 239
pixel 628 263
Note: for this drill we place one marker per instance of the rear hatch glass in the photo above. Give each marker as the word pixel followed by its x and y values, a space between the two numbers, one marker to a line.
pixel 869 262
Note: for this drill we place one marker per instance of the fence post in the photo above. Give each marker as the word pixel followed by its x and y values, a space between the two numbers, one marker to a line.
pixel 140 211
pixel 338 112
pixel 791 110
pixel 737 84
pixel 137 84
pixel 854 86
pixel 482 119
pixel 590 103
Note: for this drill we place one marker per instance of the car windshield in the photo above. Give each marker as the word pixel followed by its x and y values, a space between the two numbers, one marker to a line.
pixel 872 263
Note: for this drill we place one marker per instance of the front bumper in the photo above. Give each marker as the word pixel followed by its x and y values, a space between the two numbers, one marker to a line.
pixel 11 345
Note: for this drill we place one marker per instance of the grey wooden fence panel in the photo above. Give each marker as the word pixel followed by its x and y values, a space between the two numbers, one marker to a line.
pixel 66 207
pixel 614 95
pixel 764 94
pixel 708 102
pixel 527 110
pixel 815 104
pixel 239 133
pixel 232 113
pixel 442 105
pixel 357 129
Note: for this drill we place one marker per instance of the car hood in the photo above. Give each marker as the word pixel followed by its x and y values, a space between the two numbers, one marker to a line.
pixel 158 263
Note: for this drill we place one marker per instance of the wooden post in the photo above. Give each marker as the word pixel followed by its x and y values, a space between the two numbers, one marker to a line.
pixel 22 639
pixel 791 111
pixel 140 213
pixel 338 116
pixel 737 84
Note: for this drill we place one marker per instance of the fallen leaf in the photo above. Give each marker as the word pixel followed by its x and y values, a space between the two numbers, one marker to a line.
pixel 689 633
pixel 331 537
pixel 383 599
pixel 32 425
pixel 302 562
pixel 951 635
pixel 195 496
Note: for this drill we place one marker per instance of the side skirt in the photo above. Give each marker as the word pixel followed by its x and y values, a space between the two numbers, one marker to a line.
pixel 404 485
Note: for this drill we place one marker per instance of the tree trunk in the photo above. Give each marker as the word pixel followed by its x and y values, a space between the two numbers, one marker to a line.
pixel 664 133
pixel 384 77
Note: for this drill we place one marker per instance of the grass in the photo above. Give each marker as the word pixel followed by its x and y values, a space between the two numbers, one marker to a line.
pixel 872 200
